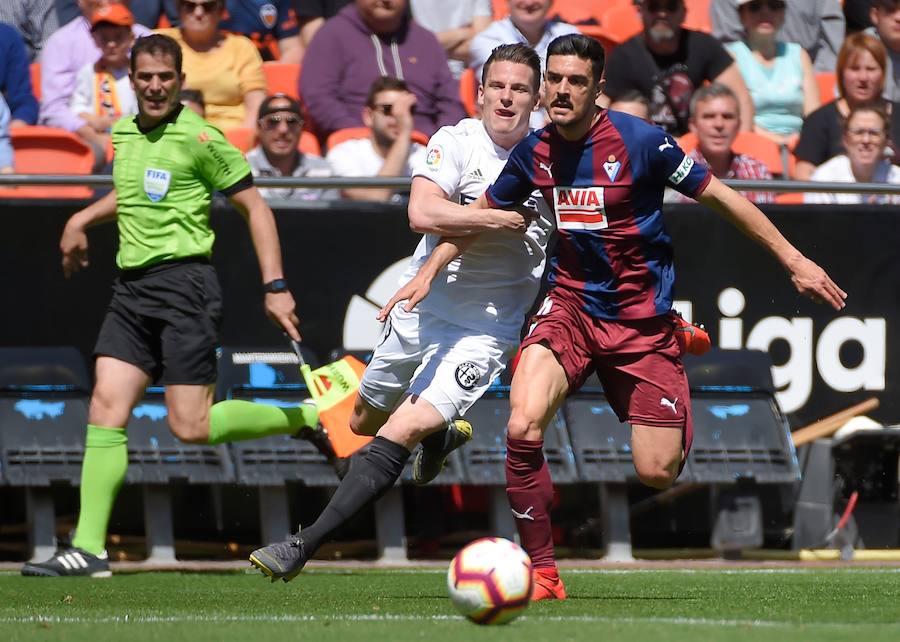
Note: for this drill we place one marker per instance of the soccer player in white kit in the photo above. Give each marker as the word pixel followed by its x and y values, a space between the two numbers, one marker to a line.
pixel 433 363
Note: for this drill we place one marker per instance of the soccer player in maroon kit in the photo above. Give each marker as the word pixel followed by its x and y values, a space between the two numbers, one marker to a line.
pixel 608 309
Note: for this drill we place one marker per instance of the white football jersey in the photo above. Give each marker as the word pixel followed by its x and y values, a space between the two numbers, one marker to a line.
pixel 493 284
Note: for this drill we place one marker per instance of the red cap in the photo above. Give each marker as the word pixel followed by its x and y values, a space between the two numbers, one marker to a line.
pixel 114 14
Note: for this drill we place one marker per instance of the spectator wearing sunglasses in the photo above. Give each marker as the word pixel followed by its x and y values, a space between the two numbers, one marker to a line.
pixel 866 136
pixel 226 67
pixel 279 128
pixel 779 75
pixel 388 151
pixel 65 53
pixel 816 25
pixel 667 63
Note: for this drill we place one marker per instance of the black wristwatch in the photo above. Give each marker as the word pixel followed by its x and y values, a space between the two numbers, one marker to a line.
pixel 275 286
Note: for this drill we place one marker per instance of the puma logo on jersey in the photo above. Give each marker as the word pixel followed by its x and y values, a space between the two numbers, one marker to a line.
pixel 525 515
pixel 671 404
pixel 579 208
pixel 546 168
pixel 666 145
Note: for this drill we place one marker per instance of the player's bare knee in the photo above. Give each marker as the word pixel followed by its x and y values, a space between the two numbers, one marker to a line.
pixel 107 410
pixel 522 427
pixel 656 474
pixel 191 431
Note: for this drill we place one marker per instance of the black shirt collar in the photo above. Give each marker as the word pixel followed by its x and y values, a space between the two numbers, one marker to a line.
pixel 169 118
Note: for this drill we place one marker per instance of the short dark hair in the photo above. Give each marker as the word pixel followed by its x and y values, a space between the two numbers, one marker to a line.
pixel 518 53
pixel 871 108
pixel 192 95
pixel 156 44
pixel 713 90
pixel 576 44
pixel 384 83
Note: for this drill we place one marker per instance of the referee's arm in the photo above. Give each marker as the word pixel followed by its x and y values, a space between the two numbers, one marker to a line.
pixel 279 305
pixel 73 243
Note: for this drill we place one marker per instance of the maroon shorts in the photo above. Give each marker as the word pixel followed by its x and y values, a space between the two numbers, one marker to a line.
pixel 637 361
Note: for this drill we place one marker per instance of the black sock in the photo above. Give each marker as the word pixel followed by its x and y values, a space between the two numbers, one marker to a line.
pixel 368 479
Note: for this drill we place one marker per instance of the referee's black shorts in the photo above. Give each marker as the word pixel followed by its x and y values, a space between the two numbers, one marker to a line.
pixel 165 319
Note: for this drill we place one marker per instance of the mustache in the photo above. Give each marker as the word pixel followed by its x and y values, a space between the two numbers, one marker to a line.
pixel 561 102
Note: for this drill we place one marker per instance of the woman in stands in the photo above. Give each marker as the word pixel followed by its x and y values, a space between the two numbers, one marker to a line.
pixel 778 74
pixel 861 68
pixel 865 141
pixel 227 68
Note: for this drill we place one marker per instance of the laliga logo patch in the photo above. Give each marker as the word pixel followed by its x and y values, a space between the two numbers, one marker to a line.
pixel 467 375
pixel 435 158
pixel 268 14
pixel 156 183
pixel 580 208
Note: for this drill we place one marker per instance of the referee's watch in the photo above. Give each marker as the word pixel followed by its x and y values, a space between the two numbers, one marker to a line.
pixel 275 285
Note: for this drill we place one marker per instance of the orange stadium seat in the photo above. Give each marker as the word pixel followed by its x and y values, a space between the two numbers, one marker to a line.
pixel 309 144
pixel 828 89
pixel 698 17
pixel 620 22
pixel 789 198
pixel 501 9
pixel 351 133
pixel 468 91
pixel 35 69
pixel 761 148
pixel 282 78
pixel 244 138
pixel 47 150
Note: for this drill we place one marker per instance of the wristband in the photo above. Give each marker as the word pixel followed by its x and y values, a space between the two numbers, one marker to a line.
pixel 276 285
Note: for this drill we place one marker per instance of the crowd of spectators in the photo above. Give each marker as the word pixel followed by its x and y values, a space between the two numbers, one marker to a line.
pixel 790 73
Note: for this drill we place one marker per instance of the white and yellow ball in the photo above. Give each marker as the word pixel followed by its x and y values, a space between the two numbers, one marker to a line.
pixel 490 580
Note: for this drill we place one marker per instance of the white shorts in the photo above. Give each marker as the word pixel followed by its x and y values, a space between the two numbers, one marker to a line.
pixel 445 364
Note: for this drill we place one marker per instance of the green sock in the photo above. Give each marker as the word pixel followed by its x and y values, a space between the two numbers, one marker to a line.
pixel 102 473
pixel 236 420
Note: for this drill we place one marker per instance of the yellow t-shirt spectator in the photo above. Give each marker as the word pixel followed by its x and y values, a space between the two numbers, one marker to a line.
pixel 224 74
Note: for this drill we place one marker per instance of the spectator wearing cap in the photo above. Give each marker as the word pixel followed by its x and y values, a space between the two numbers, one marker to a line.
pixel 103 92
pixel 668 63
pixel 388 151
pixel 15 78
pixel 226 67
pixel 526 24
pixel 279 128
pixel 715 120
pixel 816 25
pixel 6 148
pixel 368 39
pixel 779 75
pixel 66 52
pixel 34 20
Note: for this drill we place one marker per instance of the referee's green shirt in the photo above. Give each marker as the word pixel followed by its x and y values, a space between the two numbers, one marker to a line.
pixel 164 181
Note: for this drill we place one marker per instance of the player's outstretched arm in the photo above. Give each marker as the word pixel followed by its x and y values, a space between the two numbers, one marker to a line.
pixel 279 305
pixel 810 280
pixel 431 212
pixel 420 285
pixel 73 244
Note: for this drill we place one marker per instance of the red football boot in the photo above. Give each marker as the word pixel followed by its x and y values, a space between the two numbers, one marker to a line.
pixel 548 585
pixel 692 339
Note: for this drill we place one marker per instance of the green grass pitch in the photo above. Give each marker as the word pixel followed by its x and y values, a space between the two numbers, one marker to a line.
pixel 859 604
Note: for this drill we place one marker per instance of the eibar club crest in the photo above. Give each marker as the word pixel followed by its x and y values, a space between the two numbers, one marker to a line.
pixel 156 183
pixel 612 167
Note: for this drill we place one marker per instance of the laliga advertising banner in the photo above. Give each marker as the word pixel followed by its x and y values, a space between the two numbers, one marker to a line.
pixel 343 260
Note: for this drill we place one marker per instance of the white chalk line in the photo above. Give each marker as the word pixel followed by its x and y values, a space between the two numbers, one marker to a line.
pixel 377 617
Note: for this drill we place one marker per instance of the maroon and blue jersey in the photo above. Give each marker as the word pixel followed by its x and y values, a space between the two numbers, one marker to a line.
pixel 613 249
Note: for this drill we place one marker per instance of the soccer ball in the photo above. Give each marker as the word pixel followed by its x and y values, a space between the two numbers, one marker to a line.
pixel 490 580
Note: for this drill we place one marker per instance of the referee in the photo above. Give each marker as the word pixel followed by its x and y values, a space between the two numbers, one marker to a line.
pixel 162 322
